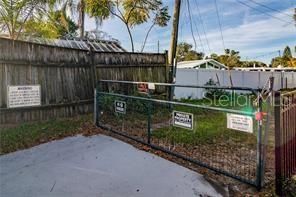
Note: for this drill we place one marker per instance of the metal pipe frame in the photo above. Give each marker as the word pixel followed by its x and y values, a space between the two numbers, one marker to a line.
pixel 253 90
pixel 181 104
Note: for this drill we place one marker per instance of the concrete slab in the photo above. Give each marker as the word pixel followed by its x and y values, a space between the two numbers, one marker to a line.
pixel 95 166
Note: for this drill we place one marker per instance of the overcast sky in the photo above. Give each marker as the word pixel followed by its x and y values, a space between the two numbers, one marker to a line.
pixel 257 32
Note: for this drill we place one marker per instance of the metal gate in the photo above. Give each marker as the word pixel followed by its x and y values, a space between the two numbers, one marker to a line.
pixel 224 138
pixel 285 138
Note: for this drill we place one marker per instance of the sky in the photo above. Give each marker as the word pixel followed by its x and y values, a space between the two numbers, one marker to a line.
pixel 256 31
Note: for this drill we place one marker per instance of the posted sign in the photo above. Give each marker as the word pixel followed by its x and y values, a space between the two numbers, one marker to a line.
pixel 182 119
pixel 120 107
pixel 23 96
pixel 240 123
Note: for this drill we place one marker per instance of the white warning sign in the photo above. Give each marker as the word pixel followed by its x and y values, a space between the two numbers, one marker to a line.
pixel 23 96
pixel 182 119
pixel 240 122
pixel 120 107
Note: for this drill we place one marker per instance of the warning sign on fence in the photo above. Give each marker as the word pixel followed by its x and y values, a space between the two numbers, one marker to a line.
pixel 23 96
pixel 120 107
pixel 240 123
pixel 183 119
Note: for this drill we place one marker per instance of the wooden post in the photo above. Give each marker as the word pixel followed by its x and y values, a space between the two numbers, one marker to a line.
pixel 278 143
pixel 174 35
pixel 173 45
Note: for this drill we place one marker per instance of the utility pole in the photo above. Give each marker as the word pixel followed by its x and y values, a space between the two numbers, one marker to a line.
pixel 158 46
pixel 174 35
pixel 173 47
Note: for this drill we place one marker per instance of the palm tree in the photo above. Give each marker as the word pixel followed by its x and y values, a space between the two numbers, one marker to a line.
pixel 74 6
pixel 15 13
pixel 84 7
pixel 81 18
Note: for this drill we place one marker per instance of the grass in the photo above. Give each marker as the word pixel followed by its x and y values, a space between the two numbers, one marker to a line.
pixel 31 134
pixel 209 125
pixel 208 128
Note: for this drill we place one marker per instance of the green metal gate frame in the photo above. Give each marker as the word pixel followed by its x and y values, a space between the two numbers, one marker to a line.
pixel 258 183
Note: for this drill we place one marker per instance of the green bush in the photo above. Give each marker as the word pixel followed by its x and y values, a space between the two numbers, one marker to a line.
pixel 214 93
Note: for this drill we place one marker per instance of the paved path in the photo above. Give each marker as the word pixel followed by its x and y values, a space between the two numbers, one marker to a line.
pixel 97 166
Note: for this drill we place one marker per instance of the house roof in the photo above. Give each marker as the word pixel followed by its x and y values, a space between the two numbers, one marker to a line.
pixel 197 63
pixel 96 45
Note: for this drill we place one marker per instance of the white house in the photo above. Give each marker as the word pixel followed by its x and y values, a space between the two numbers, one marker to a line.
pixel 205 64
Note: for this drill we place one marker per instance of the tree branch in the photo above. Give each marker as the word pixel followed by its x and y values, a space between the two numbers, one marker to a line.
pixel 147 34
pixel 117 7
pixel 132 9
pixel 25 20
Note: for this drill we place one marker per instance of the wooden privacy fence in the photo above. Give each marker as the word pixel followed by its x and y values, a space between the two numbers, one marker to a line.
pixel 67 76
pixel 285 138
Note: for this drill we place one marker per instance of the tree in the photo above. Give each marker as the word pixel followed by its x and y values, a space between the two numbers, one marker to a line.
pixel 185 53
pixel 214 56
pixel 253 63
pixel 75 6
pixel 286 60
pixel 14 14
pixel 55 25
pixel 287 52
pixel 160 19
pixel 231 58
pixel 81 17
pixel 130 12
pixel 277 61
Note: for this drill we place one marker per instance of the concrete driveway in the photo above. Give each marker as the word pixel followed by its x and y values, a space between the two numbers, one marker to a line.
pixel 97 166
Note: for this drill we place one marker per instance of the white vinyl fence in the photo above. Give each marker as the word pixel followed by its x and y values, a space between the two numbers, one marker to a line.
pixel 250 79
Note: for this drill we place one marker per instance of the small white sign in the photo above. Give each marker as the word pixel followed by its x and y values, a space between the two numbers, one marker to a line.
pixel 23 96
pixel 182 119
pixel 120 107
pixel 240 122
pixel 151 86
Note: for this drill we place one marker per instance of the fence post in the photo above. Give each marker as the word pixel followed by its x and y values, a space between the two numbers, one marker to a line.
pixel 278 155
pixel 259 146
pixel 95 106
pixel 149 119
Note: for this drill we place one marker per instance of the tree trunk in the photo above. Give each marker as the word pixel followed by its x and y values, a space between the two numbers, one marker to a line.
pixel 131 37
pixel 81 18
pixel 147 37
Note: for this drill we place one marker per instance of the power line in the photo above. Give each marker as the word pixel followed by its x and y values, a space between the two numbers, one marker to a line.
pixel 264 55
pixel 269 8
pixel 220 26
pixel 182 21
pixel 199 37
pixel 262 11
pixel 191 27
pixel 203 26
pixel 201 44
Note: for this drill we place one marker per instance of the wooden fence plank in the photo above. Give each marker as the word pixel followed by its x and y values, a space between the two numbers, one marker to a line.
pixel 66 76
